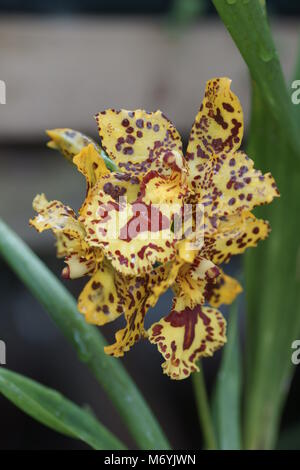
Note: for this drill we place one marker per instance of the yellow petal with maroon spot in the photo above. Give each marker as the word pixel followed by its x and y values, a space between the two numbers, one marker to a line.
pixel 186 251
pixel 142 292
pixel 69 142
pixel 163 277
pixel 227 183
pixel 133 236
pixel 139 141
pixel 115 186
pixel 193 281
pixel 185 335
pixel 61 219
pixel 218 127
pixel 103 298
pixel 91 165
pixel 78 266
pixel 66 245
pixel 235 233
pixel 163 189
pixel 224 291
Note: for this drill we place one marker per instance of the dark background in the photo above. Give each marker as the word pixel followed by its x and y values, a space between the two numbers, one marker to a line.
pixel 130 7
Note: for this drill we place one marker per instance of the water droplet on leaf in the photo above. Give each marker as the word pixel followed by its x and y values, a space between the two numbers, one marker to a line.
pixel 265 54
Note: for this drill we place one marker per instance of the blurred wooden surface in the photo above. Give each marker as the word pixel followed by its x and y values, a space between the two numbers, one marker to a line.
pixel 59 71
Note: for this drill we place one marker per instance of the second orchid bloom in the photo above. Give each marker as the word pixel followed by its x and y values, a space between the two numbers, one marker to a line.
pixel 155 219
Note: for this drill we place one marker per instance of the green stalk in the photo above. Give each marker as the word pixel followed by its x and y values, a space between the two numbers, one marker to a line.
pixel 86 339
pixel 203 410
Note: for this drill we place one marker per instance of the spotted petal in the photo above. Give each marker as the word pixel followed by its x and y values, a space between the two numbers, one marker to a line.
pixel 82 263
pixel 193 281
pixel 104 297
pixel 227 183
pixel 69 142
pixel 62 220
pixel 218 127
pixel 185 335
pixel 91 165
pixel 133 236
pixel 163 189
pixel 141 293
pixel 224 291
pixel 235 233
pixel 139 141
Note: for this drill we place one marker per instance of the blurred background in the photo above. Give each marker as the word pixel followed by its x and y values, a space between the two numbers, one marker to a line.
pixel 63 61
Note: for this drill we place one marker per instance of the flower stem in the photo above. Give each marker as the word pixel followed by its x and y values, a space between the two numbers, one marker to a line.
pixel 203 408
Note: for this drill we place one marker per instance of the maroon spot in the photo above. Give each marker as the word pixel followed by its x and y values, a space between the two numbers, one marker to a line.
pixel 228 107
pixel 220 120
pixel 140 123
pixel 130 139
pixel 107 188
pixel 125 123
pixel 255 230
pixel 128 151
pixel 156 330
pixel 96 285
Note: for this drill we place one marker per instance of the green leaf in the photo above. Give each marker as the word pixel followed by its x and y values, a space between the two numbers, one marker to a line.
pixel 272 272
pixel 86 339
pixel 247 23
pixel 272 283
pixel 227 399
pixel 52 409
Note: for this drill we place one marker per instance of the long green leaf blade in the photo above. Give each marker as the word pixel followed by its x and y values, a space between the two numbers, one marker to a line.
pixel 86 339
pixel 247 23
pixel 272 275
pixel 53 410
pixel 272 286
